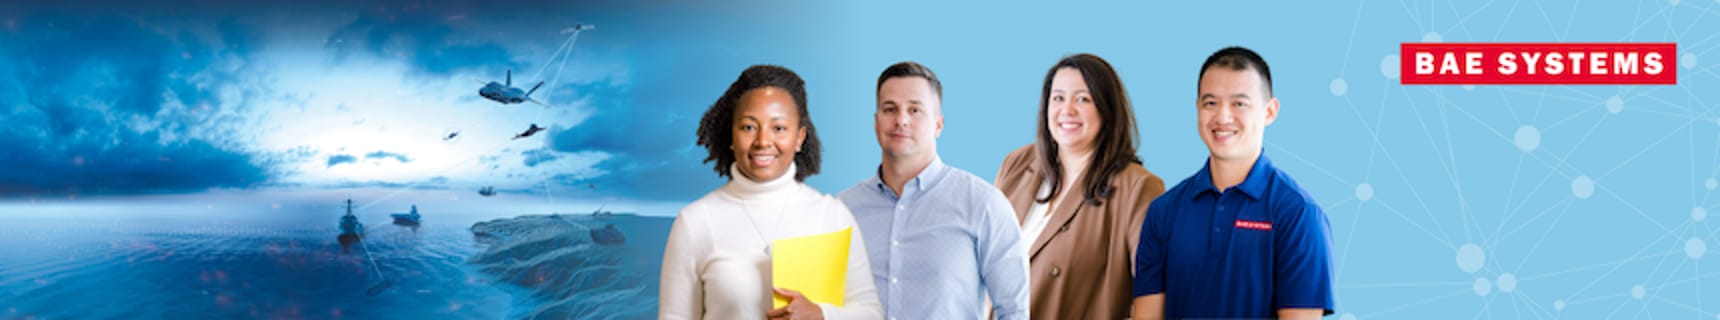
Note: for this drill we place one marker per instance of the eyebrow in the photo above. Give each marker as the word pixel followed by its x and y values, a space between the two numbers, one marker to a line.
pixel 912 102
pixel 1205 96
pixel 757 119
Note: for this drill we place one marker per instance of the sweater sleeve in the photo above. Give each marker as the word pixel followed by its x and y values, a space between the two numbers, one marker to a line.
pixel 680 295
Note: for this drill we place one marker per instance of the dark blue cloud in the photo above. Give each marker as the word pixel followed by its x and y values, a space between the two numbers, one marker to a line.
pixel 341 159
pixel 535 156
pixel 651 149
pixel 379 154
pixel 424 37
pixel 116 105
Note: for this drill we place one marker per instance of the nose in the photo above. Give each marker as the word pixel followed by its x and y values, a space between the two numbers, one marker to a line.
pixel 1066 108
pixel 1224 115
pixel 760 139
pixel 902 119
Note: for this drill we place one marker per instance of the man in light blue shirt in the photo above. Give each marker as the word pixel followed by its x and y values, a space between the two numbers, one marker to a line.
pixel 941 240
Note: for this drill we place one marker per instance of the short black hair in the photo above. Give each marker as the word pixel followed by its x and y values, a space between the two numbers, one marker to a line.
pixel 1239 58
pixel 911 69
pixel 715 129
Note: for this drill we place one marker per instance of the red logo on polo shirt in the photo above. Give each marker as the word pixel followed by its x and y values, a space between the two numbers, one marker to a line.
pixel 1254 225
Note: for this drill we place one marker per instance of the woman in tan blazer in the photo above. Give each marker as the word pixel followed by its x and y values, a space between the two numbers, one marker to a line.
pixel 1080 193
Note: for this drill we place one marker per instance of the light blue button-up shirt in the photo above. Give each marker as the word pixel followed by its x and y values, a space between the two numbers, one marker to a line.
pixel 940 247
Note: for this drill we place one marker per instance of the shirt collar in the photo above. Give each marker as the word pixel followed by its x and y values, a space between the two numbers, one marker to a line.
pixel 924 180
pixel 1254 185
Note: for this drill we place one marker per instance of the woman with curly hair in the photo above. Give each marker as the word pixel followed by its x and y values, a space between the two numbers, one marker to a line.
pixel 717 261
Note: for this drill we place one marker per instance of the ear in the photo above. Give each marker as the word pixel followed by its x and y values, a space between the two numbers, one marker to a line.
pixel 939 131
pixel 1271 110
pixel 800 139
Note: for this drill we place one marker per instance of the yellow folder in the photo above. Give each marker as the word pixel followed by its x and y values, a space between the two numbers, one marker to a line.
pixel 815 265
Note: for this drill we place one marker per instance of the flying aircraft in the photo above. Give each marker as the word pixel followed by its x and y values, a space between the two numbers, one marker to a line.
pixel 529 132
pixel 506 93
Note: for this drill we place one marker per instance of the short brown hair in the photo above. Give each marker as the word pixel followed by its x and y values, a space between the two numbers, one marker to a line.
pixel 911 69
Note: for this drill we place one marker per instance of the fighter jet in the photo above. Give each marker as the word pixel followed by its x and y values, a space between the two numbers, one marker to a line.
pixel 506 93
pixel 579 27
pixel 487 191
pixel 529 132
pixel 451 136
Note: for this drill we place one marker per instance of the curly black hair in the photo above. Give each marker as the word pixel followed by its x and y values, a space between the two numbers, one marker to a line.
pixel 716 133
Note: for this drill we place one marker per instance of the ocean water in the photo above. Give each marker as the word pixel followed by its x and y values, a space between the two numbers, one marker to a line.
pixel 148 262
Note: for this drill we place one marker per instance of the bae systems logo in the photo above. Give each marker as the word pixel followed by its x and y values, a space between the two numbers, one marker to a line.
pixel 1539 63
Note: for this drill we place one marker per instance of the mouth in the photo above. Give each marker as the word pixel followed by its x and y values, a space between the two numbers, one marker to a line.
pixel 761 160
pixel 1223 134
pixel 1070 126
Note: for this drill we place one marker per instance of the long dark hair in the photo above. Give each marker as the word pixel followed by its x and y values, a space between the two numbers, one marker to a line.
pixel 716 128
pixel 1114 147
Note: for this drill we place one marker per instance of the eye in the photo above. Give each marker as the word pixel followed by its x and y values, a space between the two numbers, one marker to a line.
pixel 914 110
pixel 1056 98
pixel 780 128
pixel 746 127
pixel 1208 104
pixel 889 109
pixel 1240 104
pixel 1086 99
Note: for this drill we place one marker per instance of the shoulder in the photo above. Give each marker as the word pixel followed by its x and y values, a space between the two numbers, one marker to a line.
pixel 1135 176
pixel 704 206
pixel 1288 197
pixel 857 192
pixel 693 217
pixel 971 185
pixel 1021 158
pixel 975 192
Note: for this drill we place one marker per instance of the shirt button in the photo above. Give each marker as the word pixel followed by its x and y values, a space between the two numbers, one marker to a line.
pixel 1214 229
pixel 899 207
pixel 894 243
pixel 893 280
pixel 1055 271
pixel 1221 208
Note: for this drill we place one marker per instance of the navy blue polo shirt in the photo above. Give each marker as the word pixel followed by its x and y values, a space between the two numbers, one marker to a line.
pixel 1246 252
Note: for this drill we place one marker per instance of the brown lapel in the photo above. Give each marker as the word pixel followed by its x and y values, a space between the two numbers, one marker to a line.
pixel 1063 209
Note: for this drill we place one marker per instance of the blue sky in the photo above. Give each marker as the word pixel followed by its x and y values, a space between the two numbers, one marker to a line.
pixel 127 98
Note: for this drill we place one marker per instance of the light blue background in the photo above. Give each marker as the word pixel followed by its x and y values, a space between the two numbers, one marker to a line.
pixel 1440 166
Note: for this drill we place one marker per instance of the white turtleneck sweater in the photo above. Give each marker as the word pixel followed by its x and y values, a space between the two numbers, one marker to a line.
pixel 715 265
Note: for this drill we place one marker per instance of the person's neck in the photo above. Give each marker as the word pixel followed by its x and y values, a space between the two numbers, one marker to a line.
pixel 1229 173
pixel 897 170
pixel 1074 163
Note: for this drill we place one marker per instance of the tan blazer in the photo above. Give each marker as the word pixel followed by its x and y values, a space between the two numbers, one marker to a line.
pixel 1082 264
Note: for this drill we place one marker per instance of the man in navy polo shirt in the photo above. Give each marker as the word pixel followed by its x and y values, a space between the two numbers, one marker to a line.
pixel 1239 239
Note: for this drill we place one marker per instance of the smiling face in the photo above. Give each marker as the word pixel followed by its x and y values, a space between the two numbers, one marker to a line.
pixel 909 117
pixel 1071 115
pixel 767 133
pixel 1234 112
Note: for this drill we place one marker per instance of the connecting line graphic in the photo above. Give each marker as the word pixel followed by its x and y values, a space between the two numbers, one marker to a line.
pixel 1658 279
